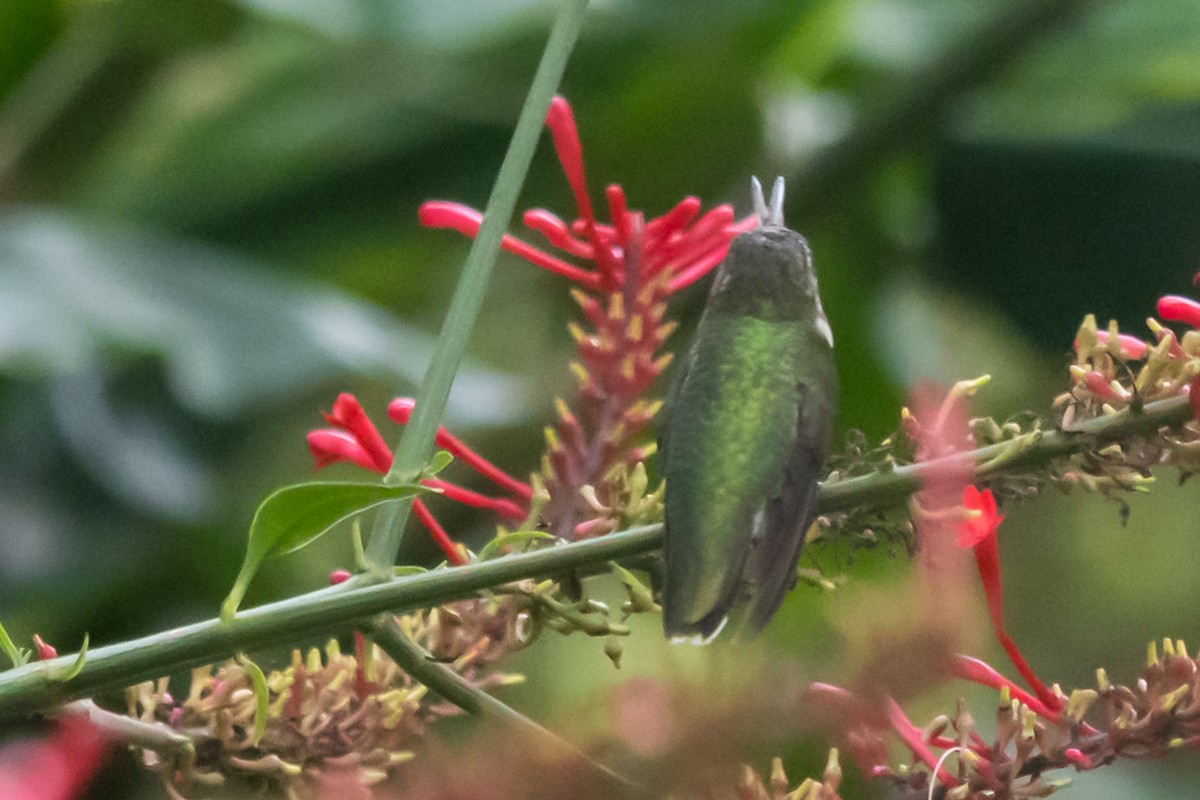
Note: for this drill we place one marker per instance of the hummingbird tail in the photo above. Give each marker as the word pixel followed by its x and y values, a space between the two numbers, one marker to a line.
pixel 700 632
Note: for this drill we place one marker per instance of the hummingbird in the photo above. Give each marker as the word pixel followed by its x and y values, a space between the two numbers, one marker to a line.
pixel 747 431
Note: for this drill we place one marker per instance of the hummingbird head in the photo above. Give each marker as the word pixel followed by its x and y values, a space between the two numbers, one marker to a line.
pixel 768 271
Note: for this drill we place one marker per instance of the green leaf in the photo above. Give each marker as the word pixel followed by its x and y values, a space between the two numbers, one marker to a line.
pixel 641 597
pixel 232 333
pixel 261 695
pixel 441 459
pixel 493 548
pixel 77 667
pixel 293 516
pixel 10 649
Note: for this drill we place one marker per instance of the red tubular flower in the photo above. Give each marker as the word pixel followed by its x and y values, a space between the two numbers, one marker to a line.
pixel 1132 347
pixel 1078 758
pixel 979 533
pixel 978 529
pixel 505 508
pixel 910 734
pixel 1101 387
pixel 400 411
pixel 1179 309
pixel 976 671
pixel 632 266
pixel 356 440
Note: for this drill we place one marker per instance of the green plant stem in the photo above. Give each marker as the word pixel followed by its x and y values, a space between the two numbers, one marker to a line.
pixel 893 486
pixel 33 687
pixel 327 611
pixel 449 684
pixel 416 445
pixel 151 735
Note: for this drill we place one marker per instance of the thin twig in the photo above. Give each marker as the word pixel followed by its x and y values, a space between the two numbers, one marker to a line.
pixel 449 684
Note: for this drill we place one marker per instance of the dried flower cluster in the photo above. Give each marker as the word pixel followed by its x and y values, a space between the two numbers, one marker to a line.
pixel 1115 373
pixel 328 713
pixel 1158 713
pixel 777 786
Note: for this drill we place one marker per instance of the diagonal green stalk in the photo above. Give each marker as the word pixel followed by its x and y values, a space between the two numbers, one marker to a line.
pixel 39 686
pixel 416 445
pixel 416 662
pixel 321 613
pixel 893 486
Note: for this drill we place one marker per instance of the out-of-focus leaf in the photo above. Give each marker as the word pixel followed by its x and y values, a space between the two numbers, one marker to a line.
pixel 26 28
pixel 262 696
pixel 294 516
pixel 425 20
pixel 136 455
pixel 276 115
pixel 6 644
pixel 1135 55
pixel 925 334
pixel 231 334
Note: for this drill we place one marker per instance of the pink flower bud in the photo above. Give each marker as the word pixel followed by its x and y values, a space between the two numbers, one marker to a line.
pixel 44 651
pixel 1179 309
pixel 1132 347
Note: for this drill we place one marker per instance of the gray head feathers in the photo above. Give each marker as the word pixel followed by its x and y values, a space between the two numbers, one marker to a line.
pixel 768 215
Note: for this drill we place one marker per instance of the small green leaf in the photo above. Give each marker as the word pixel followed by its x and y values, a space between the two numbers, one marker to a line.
pixel 441 459
pixel 10 649
pixel 407 569
pixel 261 695
pixel 73 670
pixel 360 555
pixel 641 597
pixel 293 516
pixel 493 548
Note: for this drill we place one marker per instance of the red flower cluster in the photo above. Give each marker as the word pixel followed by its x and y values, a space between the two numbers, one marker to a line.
pixel 1173 353
pixel 355 439
pixel 631 267
pixel 866 724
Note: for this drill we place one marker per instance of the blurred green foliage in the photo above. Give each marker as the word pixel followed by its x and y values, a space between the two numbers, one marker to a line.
pixel 207 229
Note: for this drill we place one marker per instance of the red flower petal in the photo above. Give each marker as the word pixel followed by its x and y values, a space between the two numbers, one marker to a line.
pixel 400 411
pixel 1131 346
pixel 980 672
pixel 973 531
pixel 348 414
pixel 330 447
pixel 1179 309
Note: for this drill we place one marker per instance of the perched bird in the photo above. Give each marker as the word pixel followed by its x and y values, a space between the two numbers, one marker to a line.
pixel 747 431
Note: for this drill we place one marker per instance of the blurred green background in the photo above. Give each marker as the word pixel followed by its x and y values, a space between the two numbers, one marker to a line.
pixel 208 229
